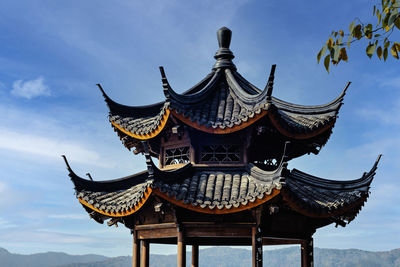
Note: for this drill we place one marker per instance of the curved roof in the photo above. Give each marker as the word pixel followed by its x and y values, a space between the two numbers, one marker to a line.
pixel 318 197
pixel 228 103
pixel 226 190
pixel 224 102
pixel 206 190
pixel 140 122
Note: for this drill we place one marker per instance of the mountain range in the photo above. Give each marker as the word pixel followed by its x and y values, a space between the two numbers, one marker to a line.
pixel 211 257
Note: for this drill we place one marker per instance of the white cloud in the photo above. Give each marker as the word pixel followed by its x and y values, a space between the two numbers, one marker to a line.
pixel 46 147
pixel 387 114
pixel 391 82
pixel 51 237
pixel 71 216
pixel 30 89
pixel 5 224
pixel 8 197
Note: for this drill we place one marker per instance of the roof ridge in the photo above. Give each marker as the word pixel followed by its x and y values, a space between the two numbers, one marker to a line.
pixel 335 104
pixel 364 181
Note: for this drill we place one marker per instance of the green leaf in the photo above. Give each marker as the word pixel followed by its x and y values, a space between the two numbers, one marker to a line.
pixel 351 27
pixel 341 33
pixel 357 32
pixel 397 45
pixel 385 21
pixel 394 51
pixel 343 54
pixel 324 49
pixel 373 13
pixel 385 53
pixel 330 42
pixel 349 40
pixel 392 18
pixel 368 31
pixel 379 52
pixel 370 49
pixel 335 53
pixel 319 55
pixel 326 62
pixel 339 41
pixel 379 16
pixel 397 23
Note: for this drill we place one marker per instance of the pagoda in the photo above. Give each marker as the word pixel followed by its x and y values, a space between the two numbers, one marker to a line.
pixel 222 175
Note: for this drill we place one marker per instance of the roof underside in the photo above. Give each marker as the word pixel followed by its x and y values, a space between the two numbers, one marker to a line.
pixel 218 190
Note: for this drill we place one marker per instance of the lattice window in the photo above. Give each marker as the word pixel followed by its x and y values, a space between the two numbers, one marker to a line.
pixel 177 155
pixel 220 154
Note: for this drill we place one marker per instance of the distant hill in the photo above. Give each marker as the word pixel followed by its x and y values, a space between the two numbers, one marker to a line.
pixel 287 257
pixel 213 257
pixel 48 259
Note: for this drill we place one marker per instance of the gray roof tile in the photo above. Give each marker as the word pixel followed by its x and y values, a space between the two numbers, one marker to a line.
pixel 212 189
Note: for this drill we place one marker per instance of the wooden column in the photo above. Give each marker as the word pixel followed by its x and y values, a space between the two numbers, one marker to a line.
pixel 181 248
pixel 307 253
pixel 145 257
pixel 256 240
pixel 136 251
pixel 195 256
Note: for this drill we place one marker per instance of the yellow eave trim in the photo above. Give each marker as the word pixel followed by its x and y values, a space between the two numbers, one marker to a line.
pixel 249 205
pixel 245 124
pixel 150 135
pixel 172 200
pixel 146 195
pixel 219 130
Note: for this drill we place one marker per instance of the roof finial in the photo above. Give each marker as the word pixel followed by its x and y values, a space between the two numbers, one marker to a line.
pixel 224 37
pixel 224 55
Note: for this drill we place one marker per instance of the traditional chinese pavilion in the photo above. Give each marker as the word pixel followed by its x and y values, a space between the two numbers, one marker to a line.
pixel 222 148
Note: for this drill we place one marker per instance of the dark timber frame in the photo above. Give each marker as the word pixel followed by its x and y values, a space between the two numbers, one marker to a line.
pixel 170 233
pixel 242 191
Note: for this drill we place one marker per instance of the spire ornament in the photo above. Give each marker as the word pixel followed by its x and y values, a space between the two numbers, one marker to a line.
pixel 224 55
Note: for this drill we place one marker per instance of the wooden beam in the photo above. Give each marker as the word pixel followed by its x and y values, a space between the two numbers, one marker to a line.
pixel 307 253
pixel 156 226
pixel 214 230
pixel 157 233
pixel 219 241
pixel 145 257
pixel 272 241
pixel 195 256
pixel 181 248
pixel 257 243
pixel 136 250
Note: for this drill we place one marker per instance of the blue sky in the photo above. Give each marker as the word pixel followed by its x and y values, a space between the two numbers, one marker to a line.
pixel 52 53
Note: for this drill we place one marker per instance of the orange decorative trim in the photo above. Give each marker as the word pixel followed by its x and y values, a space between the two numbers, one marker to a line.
pixel 285 132
pixel 150 135
pixel 147 193
pixel 250 205
pixel 219 130
pixel 243 125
